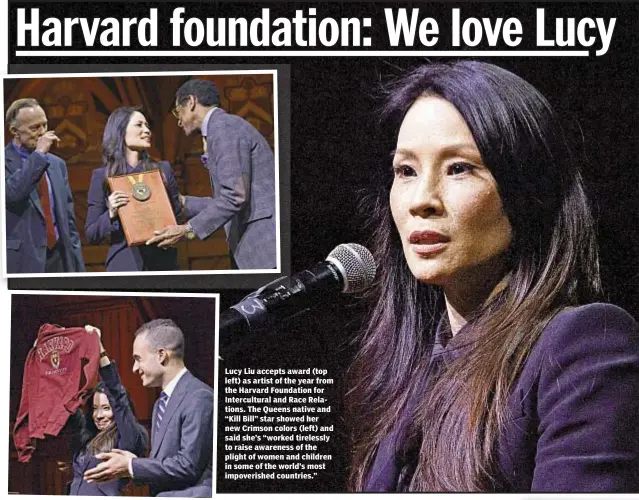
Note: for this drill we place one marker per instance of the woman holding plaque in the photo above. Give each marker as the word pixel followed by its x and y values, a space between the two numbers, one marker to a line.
pixel 125 145
pixel 486 364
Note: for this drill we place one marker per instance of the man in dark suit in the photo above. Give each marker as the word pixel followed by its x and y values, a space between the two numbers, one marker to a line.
pixel 41 230
pixel 242 174
pixel 180 462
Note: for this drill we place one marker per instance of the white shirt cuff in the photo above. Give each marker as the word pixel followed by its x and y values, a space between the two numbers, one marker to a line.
pixel 131 467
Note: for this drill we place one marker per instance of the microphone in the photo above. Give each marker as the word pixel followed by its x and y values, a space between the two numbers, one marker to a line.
pixel 349 268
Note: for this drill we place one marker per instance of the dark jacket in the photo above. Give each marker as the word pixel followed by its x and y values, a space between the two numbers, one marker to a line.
pixel 99 227
pixel 25 223
pixel 133 438
pixel 573 410
pixel 180 461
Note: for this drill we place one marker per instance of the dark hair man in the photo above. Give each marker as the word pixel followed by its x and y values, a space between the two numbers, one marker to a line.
pixel 180 462
pixel 242 172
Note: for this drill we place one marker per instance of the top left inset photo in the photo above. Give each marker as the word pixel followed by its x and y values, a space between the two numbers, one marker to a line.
pixel 153 173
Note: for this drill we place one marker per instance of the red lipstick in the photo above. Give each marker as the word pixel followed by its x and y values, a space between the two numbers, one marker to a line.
pixel 426 237
pixel 427 243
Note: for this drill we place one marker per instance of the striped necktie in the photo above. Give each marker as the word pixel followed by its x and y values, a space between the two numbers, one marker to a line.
pixel 205 156
pixel 161 409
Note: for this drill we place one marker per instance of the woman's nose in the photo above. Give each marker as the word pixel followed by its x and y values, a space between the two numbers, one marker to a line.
pixel 425 198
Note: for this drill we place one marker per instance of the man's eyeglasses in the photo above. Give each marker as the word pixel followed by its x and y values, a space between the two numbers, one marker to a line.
pixel 176 111
pixel 178 107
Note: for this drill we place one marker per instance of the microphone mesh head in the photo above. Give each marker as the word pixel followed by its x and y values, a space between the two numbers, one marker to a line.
pixel 356 265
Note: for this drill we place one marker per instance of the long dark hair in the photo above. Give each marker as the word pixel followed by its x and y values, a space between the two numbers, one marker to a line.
pixel 553 264
pixel 89 438
pixel 114 146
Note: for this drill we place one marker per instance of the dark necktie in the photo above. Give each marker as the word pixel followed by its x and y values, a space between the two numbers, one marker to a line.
pixel 161 409
pixel 45 201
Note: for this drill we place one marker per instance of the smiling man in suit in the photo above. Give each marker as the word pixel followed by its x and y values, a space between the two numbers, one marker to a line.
pixel 242 175
pixel 41 232
pixel 180 462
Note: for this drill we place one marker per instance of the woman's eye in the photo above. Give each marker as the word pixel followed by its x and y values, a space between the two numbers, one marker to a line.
pixel 403 171
pixel 459 168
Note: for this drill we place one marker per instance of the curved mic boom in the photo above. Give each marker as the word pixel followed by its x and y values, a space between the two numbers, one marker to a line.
pixel 349 268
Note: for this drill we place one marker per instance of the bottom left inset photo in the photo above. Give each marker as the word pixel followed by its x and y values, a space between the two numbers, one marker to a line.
pixel 112 393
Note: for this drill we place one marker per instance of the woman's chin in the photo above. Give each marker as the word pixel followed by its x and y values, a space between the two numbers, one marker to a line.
pixel 428 275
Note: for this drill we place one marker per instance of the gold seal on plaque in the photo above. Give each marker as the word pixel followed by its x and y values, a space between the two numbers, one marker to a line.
pixel 141 191
pixel 149 207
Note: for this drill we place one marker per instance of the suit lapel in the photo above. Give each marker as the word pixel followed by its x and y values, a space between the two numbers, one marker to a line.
pixel 101 487
pixel 13 162
pixel 36 201
pixel 174 402
pixel 216 116
pixel 89 463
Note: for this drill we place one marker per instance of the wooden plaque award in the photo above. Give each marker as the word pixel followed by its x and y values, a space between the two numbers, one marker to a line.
pixel 149 207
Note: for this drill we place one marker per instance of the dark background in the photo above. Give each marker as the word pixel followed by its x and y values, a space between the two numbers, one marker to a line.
pixel 339 151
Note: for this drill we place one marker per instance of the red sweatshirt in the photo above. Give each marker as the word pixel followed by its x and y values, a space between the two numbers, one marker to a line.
pixel 59 372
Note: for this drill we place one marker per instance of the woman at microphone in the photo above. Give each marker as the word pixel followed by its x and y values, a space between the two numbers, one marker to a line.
pixel 125 145
pixel 487 364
